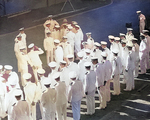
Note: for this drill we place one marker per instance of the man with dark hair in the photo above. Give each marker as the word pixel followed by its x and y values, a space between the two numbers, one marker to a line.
pixel 20 109
pixel 48 101
pixel 90 80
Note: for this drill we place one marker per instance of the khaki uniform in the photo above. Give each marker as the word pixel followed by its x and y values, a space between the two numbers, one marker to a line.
pixel 17 46
pixel 61 101
pixel 141 22
pixel 48 102
pixel 24 61
pixel 30 90
pixel 52 24
pixel 20 111
pixel 48 47
pixel 36 61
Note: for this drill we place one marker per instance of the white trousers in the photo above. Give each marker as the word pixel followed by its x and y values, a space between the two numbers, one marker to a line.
pixel 61 111
pixel 76 109
pixel 136 71
pixel 90 102
pixel 116 84
pixel 130 80
pixel 143 63
pixel 102 96
pixel 48 115
pixel 142 26
pixel 2 107
pixel 108 97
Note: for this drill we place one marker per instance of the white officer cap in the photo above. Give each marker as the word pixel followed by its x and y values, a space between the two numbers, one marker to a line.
pixel 87 50
pixel 77 26
pixel 46 81
pixel 141 34
pixel 31 45
pixel 65 20
pixel 27 76
pixel 18 92
pixel 123 41
pixel 70 56
pixel 8 67
pixel 138 12
pixel 121 34
pixel 65 37
pixel 104 54
pixel 74 23
pixel 103 43
pixel 22 47
pixel 48 32
pixel 83 43
pixel 56 75
pixel 97 44
pixel 21 29
pixel 70 27
pixel 18 36
pixel 1 67
pixel 135 39
pixel 63 62
pixel 145 31
pixel 115 51
pixel 129 29
pixel 117 38
pixel 57 26
pixel 52 64
pixel 72 74
pixel 94 58
pixel 89 33
pixel 56 41
pixel 50 16
pixel 87 64
pixel 111 37
pixel 47 23
pixel 129 44
pixel 41 71
pixel 80 54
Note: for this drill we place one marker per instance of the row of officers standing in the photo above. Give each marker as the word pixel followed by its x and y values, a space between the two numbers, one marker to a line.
pixel 69 82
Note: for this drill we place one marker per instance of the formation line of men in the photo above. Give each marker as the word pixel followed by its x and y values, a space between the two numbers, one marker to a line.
pixel 68 82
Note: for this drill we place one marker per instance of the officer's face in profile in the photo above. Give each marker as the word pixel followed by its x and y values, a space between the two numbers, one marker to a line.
pixel 64 40
pixel 133 41
pixel 21 31
pixel 19 38
pixel 117 41
pixel 48 34
pixel 111 40
pixel 123 44
pixel 62 65
pixel 103 46
pixel 56 44
pixel 7 71
pixel 129 48
pixel 48 25
pixel 130 32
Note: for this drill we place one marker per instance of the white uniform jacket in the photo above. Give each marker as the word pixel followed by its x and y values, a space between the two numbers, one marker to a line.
pixel 90 79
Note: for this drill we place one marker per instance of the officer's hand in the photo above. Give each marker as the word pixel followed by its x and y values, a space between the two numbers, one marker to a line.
pixel 33 103
pixel 86 93
pixel 126 70
pixel 98 87
pixel 105 83
pixel 69 102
